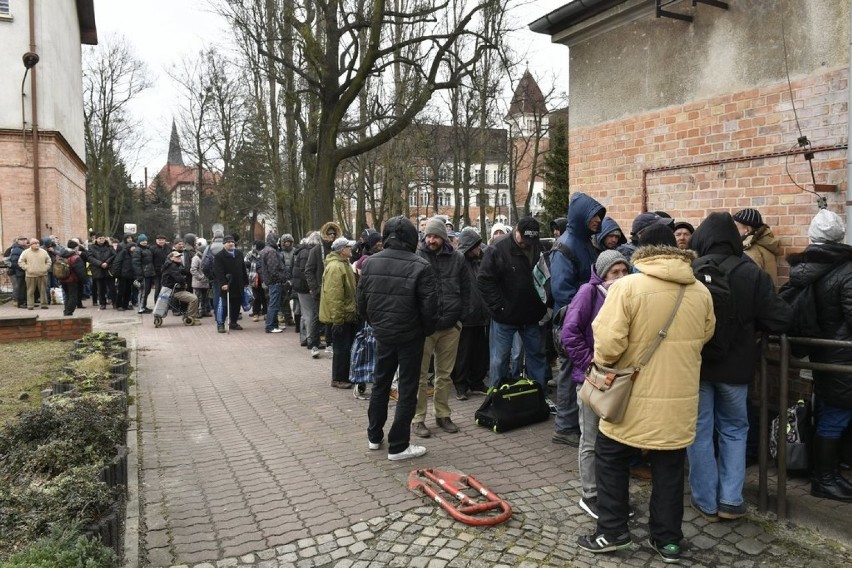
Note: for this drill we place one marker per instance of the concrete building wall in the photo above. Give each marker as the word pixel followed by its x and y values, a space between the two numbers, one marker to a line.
pixel 722 152
pixel 652 63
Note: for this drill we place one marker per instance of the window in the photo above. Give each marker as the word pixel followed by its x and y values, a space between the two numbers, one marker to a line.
pixel 503 200
pixel 425 173
pixel 444 174
pixel 502 176
pixel 412 199
pixel 476 174
pixel 427 201
pixel 187 195
pixel 4 8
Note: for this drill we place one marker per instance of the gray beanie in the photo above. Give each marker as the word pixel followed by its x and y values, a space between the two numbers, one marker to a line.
pixel 436 226
pixel 826 227
pixel 607 259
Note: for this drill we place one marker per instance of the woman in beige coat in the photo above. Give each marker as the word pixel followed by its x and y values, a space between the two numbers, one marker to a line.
pixel 663 406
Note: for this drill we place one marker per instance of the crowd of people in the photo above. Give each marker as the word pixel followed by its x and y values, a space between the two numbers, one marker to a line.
pixel 452 313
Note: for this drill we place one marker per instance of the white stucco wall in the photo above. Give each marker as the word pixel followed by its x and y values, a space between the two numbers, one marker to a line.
pixel 60 86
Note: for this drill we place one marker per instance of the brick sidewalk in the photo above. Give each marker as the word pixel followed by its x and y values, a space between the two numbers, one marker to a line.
pixel 249 458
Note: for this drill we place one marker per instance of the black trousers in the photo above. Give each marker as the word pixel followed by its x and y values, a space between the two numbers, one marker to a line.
pixel 122 293
pixel 472 359
pixel 612 474
pixel 389 356
pixel 70 294
pixel 342 338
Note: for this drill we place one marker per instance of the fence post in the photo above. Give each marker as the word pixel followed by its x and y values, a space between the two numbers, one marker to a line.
pixel 782 429
pixel 763 439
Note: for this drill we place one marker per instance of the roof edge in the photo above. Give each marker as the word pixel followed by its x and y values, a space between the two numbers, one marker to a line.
pixel 570 14
pixel 86 19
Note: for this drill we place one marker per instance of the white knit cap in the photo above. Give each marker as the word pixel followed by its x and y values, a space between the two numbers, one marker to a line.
pixel 826 227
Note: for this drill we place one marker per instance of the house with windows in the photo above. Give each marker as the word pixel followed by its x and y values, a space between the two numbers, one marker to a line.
pixel 42 146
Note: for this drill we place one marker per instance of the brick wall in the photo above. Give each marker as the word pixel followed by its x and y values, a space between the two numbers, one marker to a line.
pixel 610 160
pixel 31 327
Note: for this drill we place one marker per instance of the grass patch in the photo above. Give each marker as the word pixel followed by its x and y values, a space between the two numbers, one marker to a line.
pixel 28 367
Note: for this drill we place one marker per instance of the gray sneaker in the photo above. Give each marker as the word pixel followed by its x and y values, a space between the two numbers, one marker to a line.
pixel 408 453
pixel 315 352
pixel 568 438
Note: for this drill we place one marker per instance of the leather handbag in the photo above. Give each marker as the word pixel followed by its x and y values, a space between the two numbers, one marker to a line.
pixel 607 390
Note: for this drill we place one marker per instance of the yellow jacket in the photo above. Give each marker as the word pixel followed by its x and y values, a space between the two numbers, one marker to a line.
pixel 337 296
pixel 762 247
pixel 663 407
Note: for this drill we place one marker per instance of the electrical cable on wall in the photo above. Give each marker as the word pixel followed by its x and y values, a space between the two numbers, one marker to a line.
pixel 802 141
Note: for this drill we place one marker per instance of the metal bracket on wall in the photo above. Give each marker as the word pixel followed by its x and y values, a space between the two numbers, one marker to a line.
pixel 663 4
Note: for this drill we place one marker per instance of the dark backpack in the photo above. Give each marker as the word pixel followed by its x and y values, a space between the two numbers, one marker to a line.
pixel 61 268
pixel 511 405
pixel 716 278
pixel 207 264
pixel 805 321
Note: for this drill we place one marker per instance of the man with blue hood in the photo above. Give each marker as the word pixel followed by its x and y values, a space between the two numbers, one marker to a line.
pixel 611 236
pixel 571 267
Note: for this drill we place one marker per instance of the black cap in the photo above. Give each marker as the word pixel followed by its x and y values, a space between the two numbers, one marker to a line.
pixel 228 239
pixel 529 229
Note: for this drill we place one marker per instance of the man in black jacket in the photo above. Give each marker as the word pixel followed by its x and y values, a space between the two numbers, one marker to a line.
pixel 472 357
pixel 159 253
pixel 506 283
pixel 453 294
pixel 717 482
pixel 397 295
pixel 143 272
pixel 101 255
pixel 230 276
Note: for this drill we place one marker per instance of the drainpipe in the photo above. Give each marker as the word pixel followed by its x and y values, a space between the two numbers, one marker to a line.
pixel 848 137
pixel 34 112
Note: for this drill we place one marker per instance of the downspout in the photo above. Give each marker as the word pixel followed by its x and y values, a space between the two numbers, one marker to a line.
pixel 848 137
pixel 34 113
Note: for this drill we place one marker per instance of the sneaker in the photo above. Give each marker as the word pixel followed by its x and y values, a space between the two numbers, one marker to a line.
pixel 461 396
pixel 274 330
pixel 732 511
pixel 220 328
pixel 597 543
pixel 374 445
pixel 552 406
pixel 408 453
pixel 329 350
pixel 420 430
pixel 236 327
pixel 360 392
pixel 709 517
pixel 447 425
pixel 568 438
pixel 341 384
pixel 590 506
pixel 670 553
pixel 315 352
pixel 255 318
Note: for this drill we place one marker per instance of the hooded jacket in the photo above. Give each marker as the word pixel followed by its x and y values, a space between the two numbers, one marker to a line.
pixel 271 267
pixel 99 254
pixel 122 266
pixel 505 281
pixel 829 268
pixel 316 260
pixel 477 314
pixel 663 405
pixel 608 225
pixel 337 303
pixel 300 260
pixel 758 307
pixel 453 283
pixel 567 275
pixel 577 337
pixel 762 247
pixel 398 290
pixel 143 262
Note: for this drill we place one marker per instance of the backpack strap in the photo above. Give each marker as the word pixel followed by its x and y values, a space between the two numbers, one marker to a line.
pixel 665 331
pixel 569 254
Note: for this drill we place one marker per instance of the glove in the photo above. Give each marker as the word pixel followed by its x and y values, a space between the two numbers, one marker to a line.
pixel 137 284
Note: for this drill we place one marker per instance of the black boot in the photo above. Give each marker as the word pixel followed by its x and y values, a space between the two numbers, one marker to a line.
pixel 826 481
pixel 298 321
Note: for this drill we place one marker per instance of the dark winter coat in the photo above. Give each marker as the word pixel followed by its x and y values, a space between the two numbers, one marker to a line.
pixel 122 266
pixel 829 267
pixel 505 281
pixel 230 270
pixel 14 254
pixel 99 254
pixel 300 259
pixel 758 307
pixel 477 312
pixel 143 263
pixel 173 273
pixel 397 293
pixel 271 268
pixel 453 284
pixel 160 256
pixel 566 274
pixel 78 266
pixel 608 225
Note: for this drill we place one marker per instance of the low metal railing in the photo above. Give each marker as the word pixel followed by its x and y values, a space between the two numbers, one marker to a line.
pixel 786 361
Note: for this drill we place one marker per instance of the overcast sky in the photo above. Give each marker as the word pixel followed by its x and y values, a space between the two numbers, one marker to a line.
pixel 162 32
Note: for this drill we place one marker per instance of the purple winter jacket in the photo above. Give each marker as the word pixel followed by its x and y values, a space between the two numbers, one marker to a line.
pixel 577 338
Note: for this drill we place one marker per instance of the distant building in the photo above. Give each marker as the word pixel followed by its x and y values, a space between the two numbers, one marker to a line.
pixel 43 169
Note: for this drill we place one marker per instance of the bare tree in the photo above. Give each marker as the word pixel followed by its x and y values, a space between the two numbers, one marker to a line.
pixel 338 46
pixel 112 77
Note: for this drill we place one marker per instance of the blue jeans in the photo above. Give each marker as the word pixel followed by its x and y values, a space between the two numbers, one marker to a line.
pixel 724 408
pixel 500 347
pixel 272 307
pixel 567 419
pixel 831 420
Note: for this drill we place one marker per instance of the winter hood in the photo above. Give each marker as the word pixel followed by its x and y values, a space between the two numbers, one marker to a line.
pixel 717 234
pixel 581 209
pixel 399 233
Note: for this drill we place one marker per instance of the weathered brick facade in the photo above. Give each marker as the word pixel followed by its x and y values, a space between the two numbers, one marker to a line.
pixel 62 182
pixel 725 152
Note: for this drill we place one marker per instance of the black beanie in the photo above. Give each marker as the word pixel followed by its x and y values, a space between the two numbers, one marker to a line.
pixel 657 235
pixel 72 244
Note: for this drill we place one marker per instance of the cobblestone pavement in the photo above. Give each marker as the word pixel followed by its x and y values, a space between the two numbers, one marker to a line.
pixel 248 458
